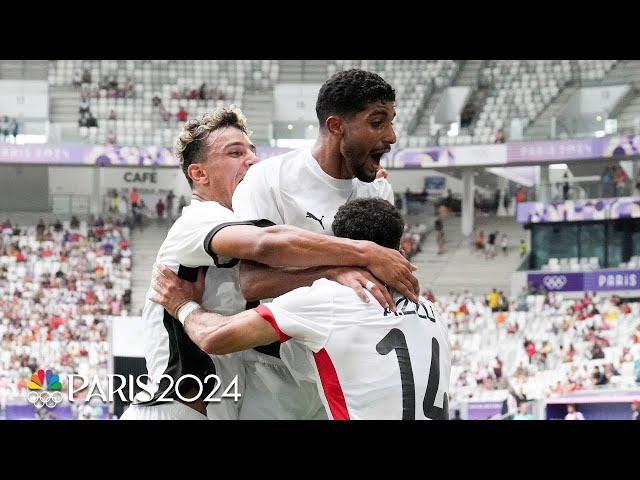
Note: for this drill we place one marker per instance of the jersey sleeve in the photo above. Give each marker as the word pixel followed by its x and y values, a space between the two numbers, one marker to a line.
pixel 385 190
pixel 303 314
pixel 190 239
pixel 256 194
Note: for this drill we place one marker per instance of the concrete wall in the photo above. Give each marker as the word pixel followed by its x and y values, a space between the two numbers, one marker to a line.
pixel 295 101
pixel 24 188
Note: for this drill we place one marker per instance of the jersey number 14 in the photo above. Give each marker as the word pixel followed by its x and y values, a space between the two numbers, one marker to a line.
pixel 396 340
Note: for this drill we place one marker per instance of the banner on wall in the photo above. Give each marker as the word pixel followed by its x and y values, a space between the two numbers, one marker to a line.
pixel 555 150
pixel 598 281
pixel 509 154
pixel 579 210
pixel 458 156
pixel 552 151
pixel 110 155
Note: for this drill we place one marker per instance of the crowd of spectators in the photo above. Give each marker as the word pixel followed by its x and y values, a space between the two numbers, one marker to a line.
pixel 203 92
pixel 412 238
pixel 614 182
pixel 165 114
pixel 58 283
pixel 543 343
pixel 493 242
pixel 108 86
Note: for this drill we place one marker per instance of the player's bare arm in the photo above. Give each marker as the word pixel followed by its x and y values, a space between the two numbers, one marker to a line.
pixel 288 246
pixel 218 334
pixel 258 281
pixel 173 292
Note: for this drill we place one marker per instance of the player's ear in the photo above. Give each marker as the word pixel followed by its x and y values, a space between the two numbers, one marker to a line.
pixel 197 173
pixel 334 125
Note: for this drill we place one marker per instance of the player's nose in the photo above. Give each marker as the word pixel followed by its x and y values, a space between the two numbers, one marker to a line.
pixel 252 158
pixel 390 136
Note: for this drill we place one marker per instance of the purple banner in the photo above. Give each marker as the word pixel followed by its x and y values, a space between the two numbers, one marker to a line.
pixel 557 281
pixel 48 154
pixel 445 156
pixel 623 146
pixel 468 155
pixel 598 281
pixel 556 150
pixel 61 412
pixel 612 280
pixel 483 411
pixel 101 155
pixel 579 210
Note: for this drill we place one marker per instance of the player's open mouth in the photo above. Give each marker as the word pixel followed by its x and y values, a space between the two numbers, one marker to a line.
pixel 377 155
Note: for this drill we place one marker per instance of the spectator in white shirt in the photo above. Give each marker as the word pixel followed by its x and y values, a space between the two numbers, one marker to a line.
pixel 572 413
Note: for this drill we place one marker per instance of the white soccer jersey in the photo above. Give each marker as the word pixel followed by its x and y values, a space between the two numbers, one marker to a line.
pixel 168 349
pixel 292 189
pixel 367 364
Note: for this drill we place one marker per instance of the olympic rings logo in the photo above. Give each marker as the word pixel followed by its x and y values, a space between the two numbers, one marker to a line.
pixel 554 282
pixel 44 398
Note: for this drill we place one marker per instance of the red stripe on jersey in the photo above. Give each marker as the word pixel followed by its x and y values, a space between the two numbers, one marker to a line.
pixel 331 386
pixel 265 313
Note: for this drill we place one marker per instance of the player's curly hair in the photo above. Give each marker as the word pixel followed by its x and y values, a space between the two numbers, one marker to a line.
pixel 349 92
pixel 372 219
pixel 189 148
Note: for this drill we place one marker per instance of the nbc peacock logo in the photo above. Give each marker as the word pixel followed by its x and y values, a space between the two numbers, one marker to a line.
pixel 44 389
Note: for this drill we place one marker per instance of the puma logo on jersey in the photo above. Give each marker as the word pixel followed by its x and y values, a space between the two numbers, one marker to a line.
pixel 319 220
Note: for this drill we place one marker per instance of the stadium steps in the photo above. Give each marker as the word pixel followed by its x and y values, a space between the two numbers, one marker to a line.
pixel 258 108
pixel 629 114
pixel 624 71
pixel 24 70
pixel 315 71
pixel 424 120
pixel 291 71
pixel 459 269
pixel 65 132
pixel 64 103
pixel 468 76
pixel 303 71
pixel 541 126
pixel 144 248
pixel 629 118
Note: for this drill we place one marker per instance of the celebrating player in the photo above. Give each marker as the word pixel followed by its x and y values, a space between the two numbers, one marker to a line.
pixel 367 362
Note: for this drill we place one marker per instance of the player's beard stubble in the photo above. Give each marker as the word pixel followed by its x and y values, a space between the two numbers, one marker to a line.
pixel 359 162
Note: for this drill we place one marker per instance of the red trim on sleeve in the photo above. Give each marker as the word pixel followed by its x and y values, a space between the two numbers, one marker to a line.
pixel 265 313
pixel 331 386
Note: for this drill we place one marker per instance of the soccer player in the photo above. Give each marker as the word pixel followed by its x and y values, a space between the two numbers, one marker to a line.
pixel 215 154
pixel 305 188
pixel 367 362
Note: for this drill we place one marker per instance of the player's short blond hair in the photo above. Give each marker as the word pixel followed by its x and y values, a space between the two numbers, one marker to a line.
pixel 189 147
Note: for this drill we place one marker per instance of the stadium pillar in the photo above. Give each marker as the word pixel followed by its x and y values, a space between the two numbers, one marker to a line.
pixel 95 192
pixel 467 201
pixel 503 185
pixel 543 187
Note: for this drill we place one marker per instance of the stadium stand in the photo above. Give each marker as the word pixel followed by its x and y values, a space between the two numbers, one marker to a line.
pixel 58 284
pixel 564 332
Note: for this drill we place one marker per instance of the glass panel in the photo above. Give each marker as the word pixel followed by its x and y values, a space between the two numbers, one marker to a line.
pixel 592 243
pixel 553 241
pixel 616 244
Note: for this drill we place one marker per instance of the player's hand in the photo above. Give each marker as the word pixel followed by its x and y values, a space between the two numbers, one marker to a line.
pixel 357 278
pixel 381 173
pixel 171 291
pixel 391 268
